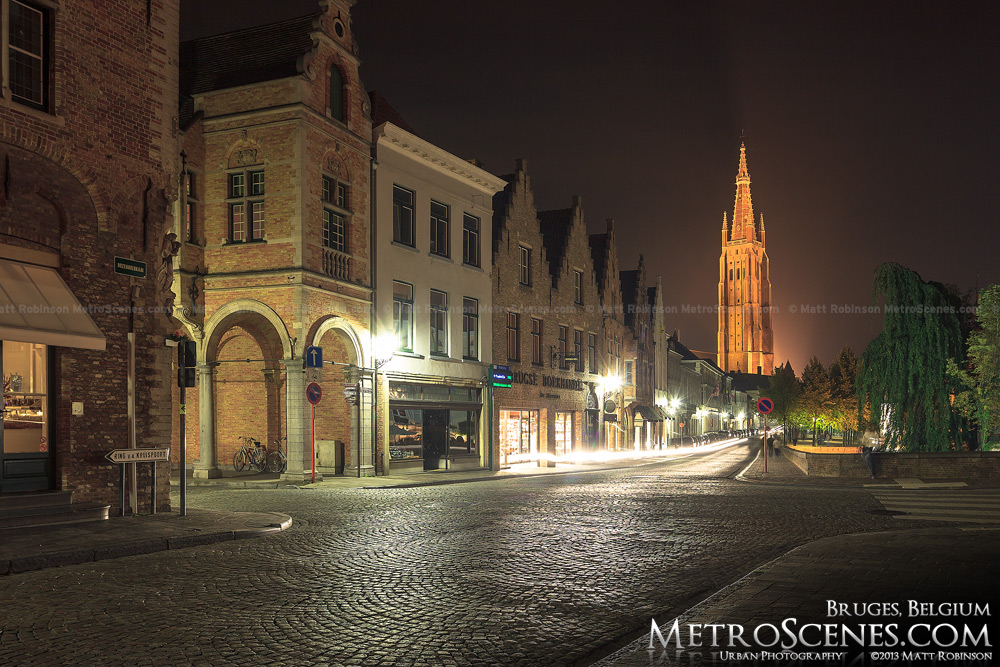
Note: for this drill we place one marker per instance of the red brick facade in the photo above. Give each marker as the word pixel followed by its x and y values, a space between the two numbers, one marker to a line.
pixel 88 178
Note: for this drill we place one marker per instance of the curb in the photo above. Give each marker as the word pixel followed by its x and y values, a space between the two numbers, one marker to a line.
pixel 109 551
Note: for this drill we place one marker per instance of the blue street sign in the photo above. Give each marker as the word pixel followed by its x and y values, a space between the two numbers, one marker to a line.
pixel 314 357
pixel 765 405
pixel 313 393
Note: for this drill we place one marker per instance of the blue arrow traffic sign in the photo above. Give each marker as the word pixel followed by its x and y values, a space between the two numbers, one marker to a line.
pixel 314 357
pixel 313 393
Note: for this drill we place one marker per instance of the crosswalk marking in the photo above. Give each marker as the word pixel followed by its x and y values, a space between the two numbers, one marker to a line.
pixel 956 505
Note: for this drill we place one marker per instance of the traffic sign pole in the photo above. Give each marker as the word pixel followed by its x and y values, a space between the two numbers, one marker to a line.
pixel 313 443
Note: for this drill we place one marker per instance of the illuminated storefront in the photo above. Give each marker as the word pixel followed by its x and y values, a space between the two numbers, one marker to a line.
pixel 518 435
pixel 434 427
pixel 564 433
pixel 24 444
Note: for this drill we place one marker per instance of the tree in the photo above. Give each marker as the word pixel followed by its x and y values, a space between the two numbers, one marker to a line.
pixel 904 370
pixel 843 385
pixel 817 393
pixel 983 377
pixel 784 390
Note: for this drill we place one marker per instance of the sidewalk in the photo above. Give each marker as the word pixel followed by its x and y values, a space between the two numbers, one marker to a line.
pixel 939 565
pixel 39 547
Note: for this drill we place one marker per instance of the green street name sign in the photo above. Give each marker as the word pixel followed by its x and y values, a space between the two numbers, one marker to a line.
pixel 130 267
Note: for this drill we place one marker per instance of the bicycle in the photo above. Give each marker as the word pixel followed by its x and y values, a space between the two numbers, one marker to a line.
pixel 276 460
pixel 250 454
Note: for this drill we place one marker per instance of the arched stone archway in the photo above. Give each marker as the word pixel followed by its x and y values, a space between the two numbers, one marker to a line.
pixel 242 389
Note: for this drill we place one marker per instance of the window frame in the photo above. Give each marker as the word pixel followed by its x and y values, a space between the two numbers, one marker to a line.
pixel 563 346
pixel 439 224
pixel 628 372
pixel 249 198
pixel 470 234
pixel 470 328
pixel 335 196
pixel 578 287
pixel 592 352
pixel 513 336
pixel 439 343
pixel 524 265
pixel 336 101
pixel 191 203
pixel 43 57
pixel 399 305
pixel 578 349
pixel 398 207
pixel 536 340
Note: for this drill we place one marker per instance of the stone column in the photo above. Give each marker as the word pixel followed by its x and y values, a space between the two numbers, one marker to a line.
pixel 206 467
pixel 298 423
pixel 361 435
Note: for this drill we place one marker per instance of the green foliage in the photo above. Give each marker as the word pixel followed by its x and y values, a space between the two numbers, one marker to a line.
pixel 982 382
pixel 815 405
pixel 843 389
pixel 785 391
pixel 904 376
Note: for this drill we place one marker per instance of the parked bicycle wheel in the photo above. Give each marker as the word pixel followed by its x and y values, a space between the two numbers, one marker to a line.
pixel 258 460
pixel 276 461
pixel 240 459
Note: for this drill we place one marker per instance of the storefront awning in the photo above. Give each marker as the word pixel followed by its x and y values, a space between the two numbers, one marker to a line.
pixel 648 413
pixel 36 306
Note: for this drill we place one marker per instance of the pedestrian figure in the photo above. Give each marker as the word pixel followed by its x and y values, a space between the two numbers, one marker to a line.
pixel 770 444
pixel 868 454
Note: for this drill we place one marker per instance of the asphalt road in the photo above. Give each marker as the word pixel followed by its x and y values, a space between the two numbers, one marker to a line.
pixel 550 570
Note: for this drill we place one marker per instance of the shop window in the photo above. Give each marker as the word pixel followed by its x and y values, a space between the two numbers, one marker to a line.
pixel 25 398
pixel 518 435
pixel 439 323
pixel 470 328
pixel 470 240
pixel 402 315
pixel 440 218
pixel 402 215
pixel 564 433
pixel 27 44
pixel 463 433
pixel 513 337
pixel 246 206
pixel 406 435
pixel 536 341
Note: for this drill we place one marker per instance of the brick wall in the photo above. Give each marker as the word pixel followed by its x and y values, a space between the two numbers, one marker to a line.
pixel 929 465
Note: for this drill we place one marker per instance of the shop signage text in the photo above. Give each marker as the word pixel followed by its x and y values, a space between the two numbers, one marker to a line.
pixel 130 267
pixel 500 376
pixel 520 377
pixel 137 455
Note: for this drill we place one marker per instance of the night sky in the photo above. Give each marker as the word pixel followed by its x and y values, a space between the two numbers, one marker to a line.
pixel 871 131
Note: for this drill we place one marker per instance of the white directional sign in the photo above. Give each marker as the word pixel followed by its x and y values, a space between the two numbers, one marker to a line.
pixel 138 455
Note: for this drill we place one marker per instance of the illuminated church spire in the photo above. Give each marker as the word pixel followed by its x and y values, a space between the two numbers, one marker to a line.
pixel 746 343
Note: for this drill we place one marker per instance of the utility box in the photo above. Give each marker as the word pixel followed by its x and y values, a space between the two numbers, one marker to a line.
pixel 330 457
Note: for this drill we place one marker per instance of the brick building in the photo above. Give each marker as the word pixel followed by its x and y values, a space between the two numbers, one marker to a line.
pixel 87 155
pixel 276 195
pixel 642 420
pixel 604 253
pixel 547 327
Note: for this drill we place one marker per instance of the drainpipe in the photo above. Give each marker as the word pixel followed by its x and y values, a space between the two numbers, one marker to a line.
pixel 372 316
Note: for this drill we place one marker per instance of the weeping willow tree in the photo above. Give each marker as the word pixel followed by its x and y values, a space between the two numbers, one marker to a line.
pixel 904 371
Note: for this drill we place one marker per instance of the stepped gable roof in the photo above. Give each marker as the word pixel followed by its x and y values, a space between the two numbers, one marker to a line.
pixel 555 226
pixel 651 300
pixel 750 381
pixel 630 293
pixel 383 112
pixel 241 57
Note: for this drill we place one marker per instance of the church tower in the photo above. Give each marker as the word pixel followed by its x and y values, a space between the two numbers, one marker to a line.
pixel 745 339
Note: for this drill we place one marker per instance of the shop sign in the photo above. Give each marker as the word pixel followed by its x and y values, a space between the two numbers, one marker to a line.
pixel 555 382
pixel 500 376
pixel 610 417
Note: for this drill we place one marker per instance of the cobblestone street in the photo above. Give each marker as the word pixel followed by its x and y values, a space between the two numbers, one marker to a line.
pixel 539 571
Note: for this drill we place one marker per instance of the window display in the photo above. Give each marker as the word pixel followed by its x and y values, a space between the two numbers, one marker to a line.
pixel 463 433
pixel 25 399
pixel 518 435
pixel 406 435
pixel 564 433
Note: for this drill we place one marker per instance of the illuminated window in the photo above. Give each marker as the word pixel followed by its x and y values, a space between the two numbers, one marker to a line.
pixel 246 206
pixel 402 315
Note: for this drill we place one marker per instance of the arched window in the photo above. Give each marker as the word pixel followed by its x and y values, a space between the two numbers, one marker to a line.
pixel 336 93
